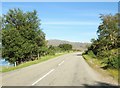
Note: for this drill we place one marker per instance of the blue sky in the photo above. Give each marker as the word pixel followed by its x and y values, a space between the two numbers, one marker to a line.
pixel 70 21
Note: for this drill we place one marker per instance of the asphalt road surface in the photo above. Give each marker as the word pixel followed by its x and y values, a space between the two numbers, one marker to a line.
pixel 66 70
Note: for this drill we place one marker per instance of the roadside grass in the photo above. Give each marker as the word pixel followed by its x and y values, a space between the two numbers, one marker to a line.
pixel 0 68
pixel 96 64
pixel 114 73
pixel 92 60
pixel 26 64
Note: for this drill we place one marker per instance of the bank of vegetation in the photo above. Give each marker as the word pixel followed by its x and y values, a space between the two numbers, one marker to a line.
pixel 23 39
pixel 104 50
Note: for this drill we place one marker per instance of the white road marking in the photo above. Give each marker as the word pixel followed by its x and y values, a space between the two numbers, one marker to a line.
pixel 43 76
pixel 61 63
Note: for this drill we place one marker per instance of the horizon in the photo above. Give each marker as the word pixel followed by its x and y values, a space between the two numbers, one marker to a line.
pixel 68 41
pixel 65 20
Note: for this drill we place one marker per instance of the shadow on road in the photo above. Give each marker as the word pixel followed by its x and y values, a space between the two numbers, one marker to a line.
pixel 100 85
pixel 97 85
pixel 78 54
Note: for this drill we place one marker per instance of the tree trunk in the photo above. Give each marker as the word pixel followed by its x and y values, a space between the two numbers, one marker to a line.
pixel 38 55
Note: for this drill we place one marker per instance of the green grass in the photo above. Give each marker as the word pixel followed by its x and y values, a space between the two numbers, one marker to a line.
pixel 44 58
pixel 114 73
pixel 96 63
pixel 91 60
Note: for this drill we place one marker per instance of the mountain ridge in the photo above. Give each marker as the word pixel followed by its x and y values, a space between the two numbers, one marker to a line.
pixel 76 45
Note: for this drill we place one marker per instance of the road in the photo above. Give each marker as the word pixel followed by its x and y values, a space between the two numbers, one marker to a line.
pixel 66 70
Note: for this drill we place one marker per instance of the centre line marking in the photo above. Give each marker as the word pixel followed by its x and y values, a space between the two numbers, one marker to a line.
pixel 43 76
pixel 61 63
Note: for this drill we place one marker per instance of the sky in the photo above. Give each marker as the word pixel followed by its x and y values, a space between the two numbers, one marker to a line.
pixel 71 21
pixel 60 0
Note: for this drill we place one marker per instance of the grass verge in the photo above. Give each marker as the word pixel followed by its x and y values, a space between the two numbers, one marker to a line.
pixel 96 64
pixel 26 64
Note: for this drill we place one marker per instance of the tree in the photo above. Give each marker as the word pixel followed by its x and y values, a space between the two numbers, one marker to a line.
pixel 65 47
pixel 107 41
pixel 22 36
pixel 108 30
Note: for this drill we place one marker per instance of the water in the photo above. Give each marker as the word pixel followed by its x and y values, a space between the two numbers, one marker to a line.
pixel 4 63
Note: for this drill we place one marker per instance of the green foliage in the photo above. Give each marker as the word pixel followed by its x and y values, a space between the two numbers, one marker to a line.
pixel 91 54
pixel 111 62
pixel 65 47
pixel 111 59
pixel 22 37
pixel 107 41
pixel 52 50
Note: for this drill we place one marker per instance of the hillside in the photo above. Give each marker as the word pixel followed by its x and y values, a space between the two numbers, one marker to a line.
pixel 76 45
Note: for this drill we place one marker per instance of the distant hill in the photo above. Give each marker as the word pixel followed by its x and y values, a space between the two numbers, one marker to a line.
pixel 76 45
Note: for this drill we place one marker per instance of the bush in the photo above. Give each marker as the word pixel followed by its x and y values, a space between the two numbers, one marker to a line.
pixel 110 59
pixel 111 62
pixel 90 53
pixel 65 47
